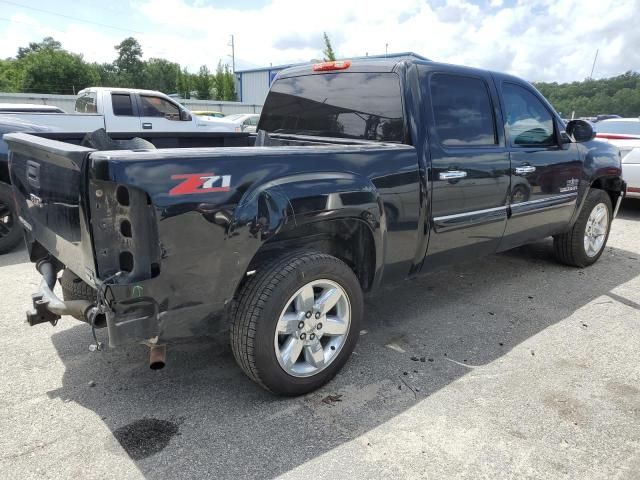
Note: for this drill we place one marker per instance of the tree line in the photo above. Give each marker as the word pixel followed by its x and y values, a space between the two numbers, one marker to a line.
pixel 619 95
pixel 46 67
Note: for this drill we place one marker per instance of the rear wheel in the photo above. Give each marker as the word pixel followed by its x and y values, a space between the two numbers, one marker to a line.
pixel 10 231
pixel 296 322
pixel 584 243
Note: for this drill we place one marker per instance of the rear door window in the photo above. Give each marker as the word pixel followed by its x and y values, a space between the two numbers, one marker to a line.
pixel 365 106
pixel 121 103
pixel 462 110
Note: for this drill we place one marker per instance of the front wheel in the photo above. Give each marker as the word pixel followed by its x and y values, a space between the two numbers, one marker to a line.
pixel 584 243
pixel 296 322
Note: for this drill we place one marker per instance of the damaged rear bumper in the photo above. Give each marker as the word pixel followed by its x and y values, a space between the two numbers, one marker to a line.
pixel 127 321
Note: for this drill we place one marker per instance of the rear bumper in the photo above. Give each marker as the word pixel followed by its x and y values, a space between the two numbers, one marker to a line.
pixel 47 307
pixel 128 314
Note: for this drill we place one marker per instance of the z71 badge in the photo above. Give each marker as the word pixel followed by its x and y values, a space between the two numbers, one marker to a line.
pixel 200 183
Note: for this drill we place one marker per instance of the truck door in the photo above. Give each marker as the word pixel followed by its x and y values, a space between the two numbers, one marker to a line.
pixel 159 114
pixel 469 171
pixel 120 112
pixel 545 173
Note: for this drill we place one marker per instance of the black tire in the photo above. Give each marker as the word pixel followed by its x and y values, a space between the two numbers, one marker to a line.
pixel 10 230
pixel 74 288
pixel 569 247
pixel 259 303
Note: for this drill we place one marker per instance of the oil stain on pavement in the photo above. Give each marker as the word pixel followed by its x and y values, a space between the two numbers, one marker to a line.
pixel 145 437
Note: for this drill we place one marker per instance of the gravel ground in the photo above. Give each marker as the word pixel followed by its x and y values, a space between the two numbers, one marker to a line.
pixel 530 371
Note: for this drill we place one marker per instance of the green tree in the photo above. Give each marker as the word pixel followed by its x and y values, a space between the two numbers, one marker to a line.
pixel 224 83
pixel 161 74
pixel 47 43
pixel 328 53
pixel 129 63
pixel 183 83
pixel 203 83
pixel 229 85
pixel 10 75
pixel 56 71
pixel 107 74
pixel 218 82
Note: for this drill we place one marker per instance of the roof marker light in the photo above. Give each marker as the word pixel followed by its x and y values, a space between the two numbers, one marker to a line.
pixel 335 65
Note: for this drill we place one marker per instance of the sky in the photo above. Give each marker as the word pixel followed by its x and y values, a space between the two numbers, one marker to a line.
pixel 539 40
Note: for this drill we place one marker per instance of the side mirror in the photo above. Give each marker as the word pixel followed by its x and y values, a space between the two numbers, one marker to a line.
pixel 580 130
pixel 185 116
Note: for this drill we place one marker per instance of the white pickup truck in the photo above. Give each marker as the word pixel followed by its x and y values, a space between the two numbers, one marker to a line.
pixel 127 110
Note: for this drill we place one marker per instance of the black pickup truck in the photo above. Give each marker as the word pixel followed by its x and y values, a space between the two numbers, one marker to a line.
pixel 362 174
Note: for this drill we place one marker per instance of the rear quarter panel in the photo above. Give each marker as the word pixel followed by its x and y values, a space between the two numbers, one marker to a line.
pixel 216 208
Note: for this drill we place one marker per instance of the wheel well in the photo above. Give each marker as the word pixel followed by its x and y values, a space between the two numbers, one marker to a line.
pixel 611 185
pixel 350 240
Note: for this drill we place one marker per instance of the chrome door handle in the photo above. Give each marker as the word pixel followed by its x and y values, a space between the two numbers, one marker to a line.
pixel 147 126
pixel 524 169
pixel 452 174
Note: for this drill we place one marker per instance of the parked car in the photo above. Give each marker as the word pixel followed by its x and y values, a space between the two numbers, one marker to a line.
pixel 606 116
pixel 128 110
pixel 624 133
pixel 208 113
pixel 279 243
pixel 249 121
pixel 29 108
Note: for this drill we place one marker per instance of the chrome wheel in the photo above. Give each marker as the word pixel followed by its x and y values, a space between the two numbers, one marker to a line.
pixel 596 230
pixel 312 328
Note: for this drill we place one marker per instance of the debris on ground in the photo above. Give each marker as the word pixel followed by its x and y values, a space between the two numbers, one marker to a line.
pixel 330 399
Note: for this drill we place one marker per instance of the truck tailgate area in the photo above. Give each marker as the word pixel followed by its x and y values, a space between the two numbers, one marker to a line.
pixel 49 183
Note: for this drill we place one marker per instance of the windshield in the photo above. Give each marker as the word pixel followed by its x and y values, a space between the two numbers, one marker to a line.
pixel 616 126
pixel 350 105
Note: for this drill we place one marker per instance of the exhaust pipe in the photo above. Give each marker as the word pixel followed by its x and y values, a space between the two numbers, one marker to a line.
pixel 157 356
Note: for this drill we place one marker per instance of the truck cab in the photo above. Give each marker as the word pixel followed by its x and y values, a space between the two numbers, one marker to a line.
pixel 129 110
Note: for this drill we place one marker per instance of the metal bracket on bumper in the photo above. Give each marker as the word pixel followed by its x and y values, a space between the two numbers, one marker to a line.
pixel 47 307
pixel 41 312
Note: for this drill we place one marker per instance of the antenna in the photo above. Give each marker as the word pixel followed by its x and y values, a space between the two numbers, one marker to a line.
pixel 594 63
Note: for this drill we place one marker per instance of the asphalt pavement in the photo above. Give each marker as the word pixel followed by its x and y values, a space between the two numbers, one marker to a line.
pixel 510 366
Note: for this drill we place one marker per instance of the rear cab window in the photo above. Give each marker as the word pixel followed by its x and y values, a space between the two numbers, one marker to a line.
pixel 87 103
pixel 365 106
